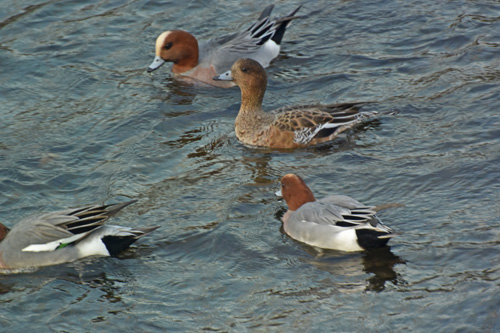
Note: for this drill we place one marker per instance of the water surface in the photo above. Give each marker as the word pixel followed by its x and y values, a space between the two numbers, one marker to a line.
pixel 82 122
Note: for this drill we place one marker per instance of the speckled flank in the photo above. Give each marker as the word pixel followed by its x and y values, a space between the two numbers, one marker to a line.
pixel 290 127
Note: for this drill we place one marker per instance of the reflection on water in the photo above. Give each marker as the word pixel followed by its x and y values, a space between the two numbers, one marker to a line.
pixel 81 121
pixel 379 264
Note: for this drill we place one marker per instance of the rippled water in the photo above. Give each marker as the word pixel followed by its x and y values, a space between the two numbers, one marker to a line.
pixel 82 122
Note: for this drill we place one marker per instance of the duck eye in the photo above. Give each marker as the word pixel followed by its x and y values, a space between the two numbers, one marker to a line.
pixel 243 69
pixel 167 46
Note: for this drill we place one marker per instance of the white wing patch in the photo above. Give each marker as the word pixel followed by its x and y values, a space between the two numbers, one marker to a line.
pixel 305 135
pixel 52 246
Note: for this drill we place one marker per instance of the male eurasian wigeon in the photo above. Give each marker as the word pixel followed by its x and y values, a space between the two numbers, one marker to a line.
pixel 65 236
pixel 201 62
pixel 287 127
pixel 337 222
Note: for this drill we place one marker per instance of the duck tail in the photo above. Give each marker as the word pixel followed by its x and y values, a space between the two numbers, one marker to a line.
pixel 120 240
pixel 377 235
pixel 373 238
pixel 91 217
pixel 283 23
pixel 266 12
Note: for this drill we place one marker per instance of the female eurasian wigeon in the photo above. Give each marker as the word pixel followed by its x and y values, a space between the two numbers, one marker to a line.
pixel 65 236
pixel 337 222
pixel 201 62
pixel 287 127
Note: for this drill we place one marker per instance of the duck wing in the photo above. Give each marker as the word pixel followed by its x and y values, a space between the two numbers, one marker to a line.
pixel 327 213
pixel 310 122
pixel 223 51
pixel 68 225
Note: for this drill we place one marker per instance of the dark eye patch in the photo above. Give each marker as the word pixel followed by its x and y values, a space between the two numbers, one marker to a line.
pixel 167 46
pixel 243 69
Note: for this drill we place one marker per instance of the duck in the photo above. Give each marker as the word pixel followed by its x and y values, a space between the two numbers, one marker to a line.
pixel 287 127
pixel 201 61
pixel 64 236
pixel 337 222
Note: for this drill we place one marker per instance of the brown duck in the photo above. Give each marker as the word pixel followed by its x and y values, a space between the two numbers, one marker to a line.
pixel 287 127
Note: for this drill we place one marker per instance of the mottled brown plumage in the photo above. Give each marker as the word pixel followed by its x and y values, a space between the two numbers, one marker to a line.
pixel 287 127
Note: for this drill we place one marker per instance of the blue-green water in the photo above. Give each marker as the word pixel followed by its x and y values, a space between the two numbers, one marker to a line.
pixel 82 122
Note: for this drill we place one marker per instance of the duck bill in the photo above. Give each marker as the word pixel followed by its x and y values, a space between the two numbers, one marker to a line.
pixel 223 77
pixel 157 62
pixel 278 193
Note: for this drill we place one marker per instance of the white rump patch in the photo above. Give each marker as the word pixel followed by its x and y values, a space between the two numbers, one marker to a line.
pixel 268 52
pixel 93 246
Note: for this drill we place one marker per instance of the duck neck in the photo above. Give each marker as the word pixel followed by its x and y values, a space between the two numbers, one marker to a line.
pixel 3 231
pixel 299 198
pixel 251 100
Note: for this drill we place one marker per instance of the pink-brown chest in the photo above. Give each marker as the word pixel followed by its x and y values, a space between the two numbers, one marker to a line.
pixel 205 75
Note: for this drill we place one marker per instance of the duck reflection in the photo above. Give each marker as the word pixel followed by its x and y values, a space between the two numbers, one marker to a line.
pixel 88 271
pixel 378 263
pixel 174 92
